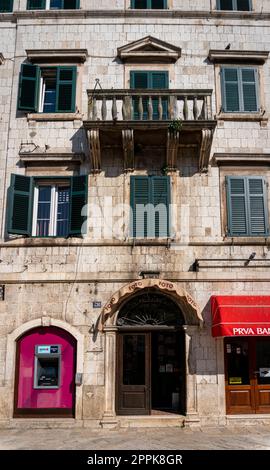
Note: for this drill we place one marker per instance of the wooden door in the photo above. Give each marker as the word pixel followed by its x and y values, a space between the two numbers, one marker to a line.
pixel 261 373
pixel 247 375
pixel 133 374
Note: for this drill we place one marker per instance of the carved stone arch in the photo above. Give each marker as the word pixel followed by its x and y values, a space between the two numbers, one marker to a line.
pixel 45 322
pixel 185 302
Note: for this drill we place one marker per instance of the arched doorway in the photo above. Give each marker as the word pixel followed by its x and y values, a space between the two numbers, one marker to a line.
pixel 45 373
pixel 150 366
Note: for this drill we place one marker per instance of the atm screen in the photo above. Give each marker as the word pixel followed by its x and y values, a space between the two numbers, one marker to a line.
pixel 47 366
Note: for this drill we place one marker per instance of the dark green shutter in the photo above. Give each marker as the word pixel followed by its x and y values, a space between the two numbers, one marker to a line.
pixel 236 206
pixel 230 89
pixel 28 88
pixel 79 192
pixel 36 4
pixel 159 81
pixel 139 4
pixel 160 187
pixel 146 80
pixel 257 204
pixel 158 4
pixel 225 4
pixel 243 5
pixel 150 220
pixel 249 87
pixel 6 6
pixel 140 197
pixel 71 4
pixel 19 207
pixel 66 89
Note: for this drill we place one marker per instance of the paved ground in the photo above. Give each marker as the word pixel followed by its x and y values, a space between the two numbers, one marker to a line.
pixel 257 438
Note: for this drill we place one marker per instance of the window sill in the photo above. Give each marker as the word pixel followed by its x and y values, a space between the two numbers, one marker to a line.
pixel 255 117
pixel 248 240
pixel 54 117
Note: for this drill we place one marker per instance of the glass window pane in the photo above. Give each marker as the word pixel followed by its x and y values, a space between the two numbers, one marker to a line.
pixel 43 211
pixel 237 362
pixel 50 96
pixel 134 360
pixel 56 4
pixel 263 361
pixel 63 211
pixel 226 4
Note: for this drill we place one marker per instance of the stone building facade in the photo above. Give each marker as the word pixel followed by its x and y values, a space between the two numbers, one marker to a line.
pixel 79 285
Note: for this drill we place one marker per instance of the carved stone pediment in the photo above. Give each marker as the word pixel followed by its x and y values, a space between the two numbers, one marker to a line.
pixel 149 49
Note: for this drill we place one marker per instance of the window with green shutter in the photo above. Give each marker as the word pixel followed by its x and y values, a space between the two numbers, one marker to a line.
pixel 240 5
pixel 47 207
pixel 47 89
pixel 149 4
pixel 240 89
pixel 53 4
pixel 156 80
pixel 247 209
pixel 6 6
pixel 150 206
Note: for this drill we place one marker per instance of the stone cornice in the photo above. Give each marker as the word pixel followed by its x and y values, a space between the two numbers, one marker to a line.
pixel 246 159
pixel 214 14
pixel 219 56
pixel 45 158
pixel 149 49
pixel 42 55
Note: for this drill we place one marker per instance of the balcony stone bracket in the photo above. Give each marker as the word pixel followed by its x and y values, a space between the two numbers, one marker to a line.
pixel 128 149
pixel 206 144
pixel 172 149
pixel 95 151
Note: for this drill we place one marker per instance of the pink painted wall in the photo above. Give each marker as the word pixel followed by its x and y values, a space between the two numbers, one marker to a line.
pixel 63 397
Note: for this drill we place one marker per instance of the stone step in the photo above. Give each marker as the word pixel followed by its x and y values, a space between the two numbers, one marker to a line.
pixel 42 423
pixel 151 421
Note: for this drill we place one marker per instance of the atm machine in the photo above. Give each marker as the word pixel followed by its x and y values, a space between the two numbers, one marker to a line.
pixel 47 372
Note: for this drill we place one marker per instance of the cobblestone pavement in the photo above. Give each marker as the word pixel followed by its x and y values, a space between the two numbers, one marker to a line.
pixel 257 438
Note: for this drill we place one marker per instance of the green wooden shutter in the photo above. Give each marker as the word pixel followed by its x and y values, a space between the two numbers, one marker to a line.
pixel 6 6
pixel 139 80
pixel 19 207
pixel 160 196
pixel 225 4
pixel 139 4
pixel 257 204
pixel 71 4
pixel 36 4
pixel 159 81
pixel 66 89
pixel 237 209
pixel 79 192
pixel 158 4
pixel 249 79
pixel 139 198
pixel 230 89
pixel 28 88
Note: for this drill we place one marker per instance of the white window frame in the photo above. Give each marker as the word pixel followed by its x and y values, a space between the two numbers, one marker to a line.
pixel 53 207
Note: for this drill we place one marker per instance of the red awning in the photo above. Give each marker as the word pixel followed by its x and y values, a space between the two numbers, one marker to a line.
pixel 240 315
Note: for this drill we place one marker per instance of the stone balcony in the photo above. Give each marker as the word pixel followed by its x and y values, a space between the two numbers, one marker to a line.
pixel 164 118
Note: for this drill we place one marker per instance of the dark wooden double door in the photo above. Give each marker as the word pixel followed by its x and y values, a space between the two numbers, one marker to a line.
pixel 247 375
pixel 150 372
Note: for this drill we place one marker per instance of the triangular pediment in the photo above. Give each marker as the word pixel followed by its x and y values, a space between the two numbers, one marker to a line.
pixel 149 49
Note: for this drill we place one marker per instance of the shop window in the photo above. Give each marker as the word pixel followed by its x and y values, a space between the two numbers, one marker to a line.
pixel 240 89
pixel 43 207
pixel 149 4
pixel 155 80
pixel 150 204
pixel 53 4
pixel 239 5
pixel 47 89
pixel 6 6
pixel 247 209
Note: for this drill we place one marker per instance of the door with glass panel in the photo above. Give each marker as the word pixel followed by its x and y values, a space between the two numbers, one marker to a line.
pixel 247 375
pixel 133 384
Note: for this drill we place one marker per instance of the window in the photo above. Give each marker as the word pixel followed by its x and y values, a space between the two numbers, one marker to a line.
pixel 47 89
pixel 43 207
pixel 150 204
pixel 53 4
pixel 150 80
pixel 240 89
pixel 151 4
pixel 6 6
pixel 240 5
pixel 247 206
